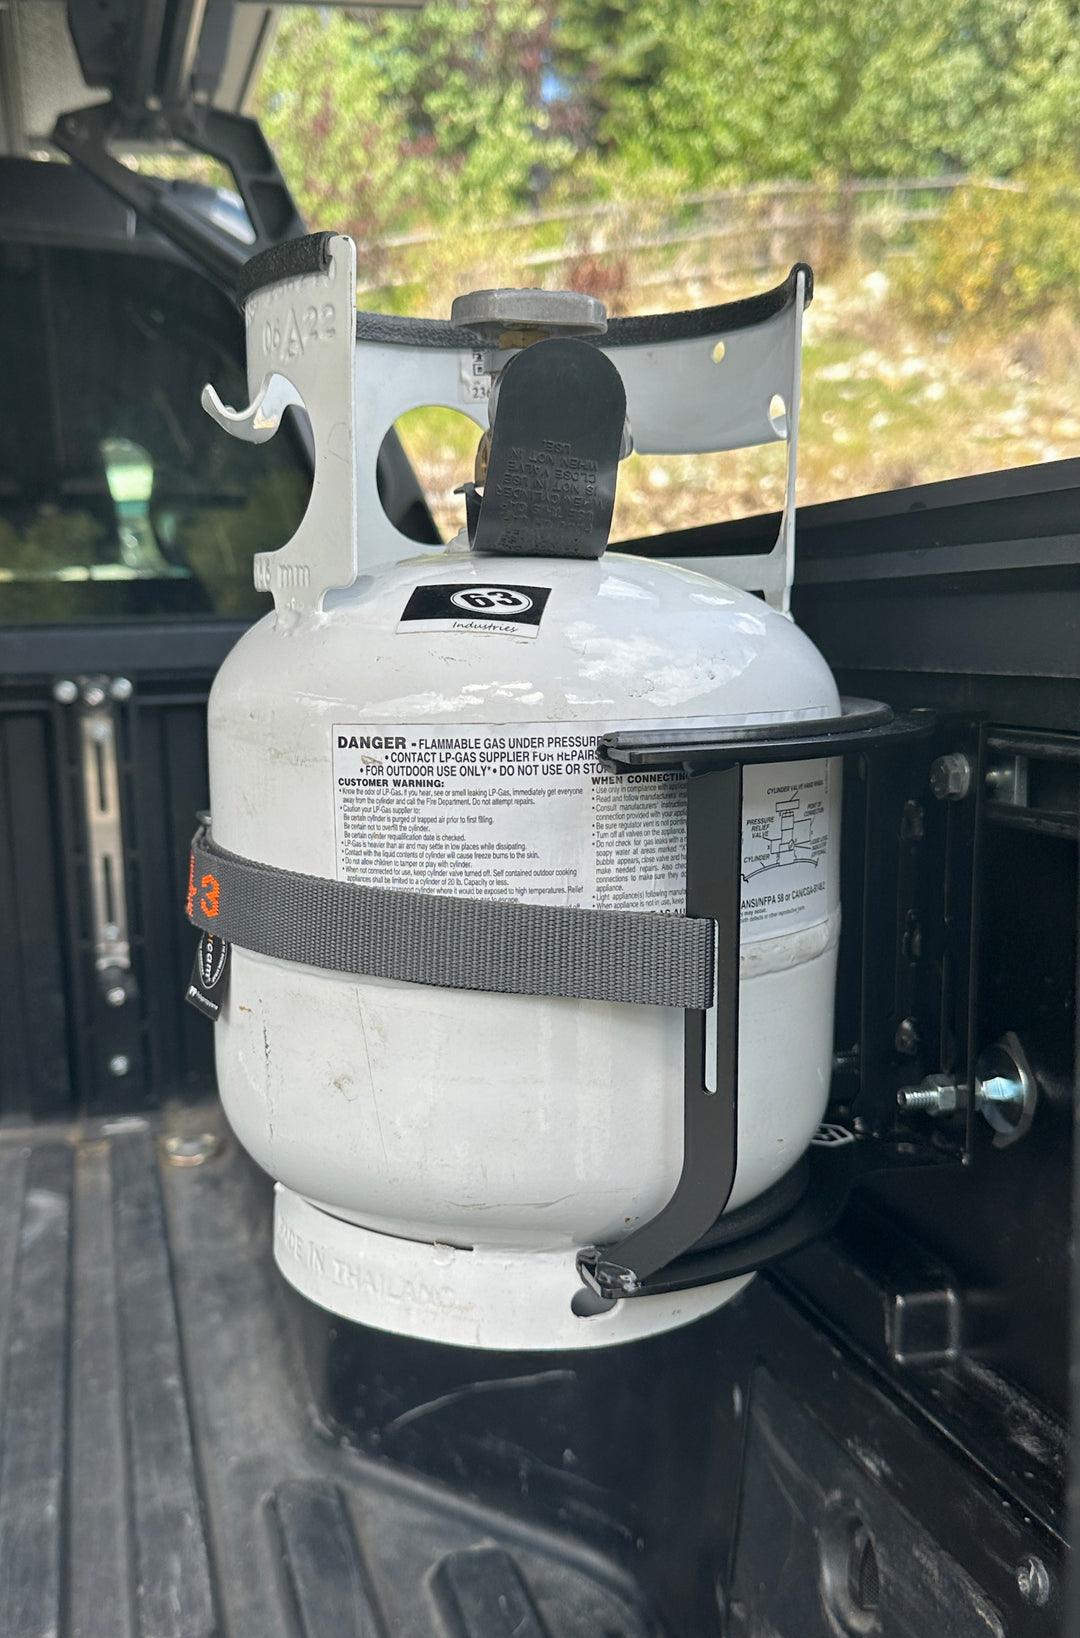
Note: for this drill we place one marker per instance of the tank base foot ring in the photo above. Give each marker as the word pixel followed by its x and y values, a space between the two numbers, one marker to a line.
pixel 510 1298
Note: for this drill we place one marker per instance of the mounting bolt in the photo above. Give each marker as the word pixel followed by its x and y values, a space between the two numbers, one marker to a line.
pixel 1033 1580
pixel 1004 1092
pixel 950 777
pixel 121 688
pixel 937 1095
pixel 115 995
pixel 65 692
pixel 119 1064
pixel 93 694
pixel 193 1149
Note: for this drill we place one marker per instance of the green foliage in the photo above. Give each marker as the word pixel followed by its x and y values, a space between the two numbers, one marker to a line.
pixel 325 104
pixel 441 124
pixel 469 76
pixel 1017 78
pixel 386 123
pixel 470 109
pixel 999 255
pixel 218 543
pixel 49 543
pixel 733 90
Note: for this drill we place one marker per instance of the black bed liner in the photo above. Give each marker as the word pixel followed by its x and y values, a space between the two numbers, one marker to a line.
pixel 162 1472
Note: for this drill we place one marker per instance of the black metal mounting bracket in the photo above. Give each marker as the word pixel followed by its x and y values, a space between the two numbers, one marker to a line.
pixel 658 1256
pixel 235 140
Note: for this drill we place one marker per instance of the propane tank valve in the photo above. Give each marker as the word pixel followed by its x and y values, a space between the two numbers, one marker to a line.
pixel 513 320
pixel 552 454
pixel 518 318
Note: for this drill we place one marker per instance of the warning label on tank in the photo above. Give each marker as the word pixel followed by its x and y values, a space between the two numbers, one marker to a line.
pixel 522 812
pixel 528 812
pixel 785 847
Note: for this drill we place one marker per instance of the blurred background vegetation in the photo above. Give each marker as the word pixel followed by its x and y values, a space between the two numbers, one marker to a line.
pixel 671 153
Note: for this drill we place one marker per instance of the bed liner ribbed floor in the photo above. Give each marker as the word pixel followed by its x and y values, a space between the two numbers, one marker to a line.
pixel 162 1474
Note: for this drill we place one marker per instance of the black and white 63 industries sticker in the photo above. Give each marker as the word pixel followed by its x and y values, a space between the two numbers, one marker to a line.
pixel 513 610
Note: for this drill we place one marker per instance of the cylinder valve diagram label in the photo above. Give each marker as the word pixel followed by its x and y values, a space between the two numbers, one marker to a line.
pixel 785 848
pixel 529 813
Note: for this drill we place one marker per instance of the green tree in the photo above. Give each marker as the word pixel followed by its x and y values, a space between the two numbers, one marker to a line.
pixel 380 123
pixel 326 106
pixel 470 75
pixel 737 90
pixel 1022 87
pixel 470 110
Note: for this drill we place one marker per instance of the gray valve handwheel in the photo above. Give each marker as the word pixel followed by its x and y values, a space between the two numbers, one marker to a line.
pixel 552 312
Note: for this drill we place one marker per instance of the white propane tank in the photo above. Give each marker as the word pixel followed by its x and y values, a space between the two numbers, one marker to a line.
pixel 442 1155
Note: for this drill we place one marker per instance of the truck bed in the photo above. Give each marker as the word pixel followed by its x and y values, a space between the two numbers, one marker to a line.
pixel 164 1473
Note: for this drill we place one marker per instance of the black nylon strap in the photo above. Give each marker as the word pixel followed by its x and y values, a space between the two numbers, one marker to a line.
pixel 463 944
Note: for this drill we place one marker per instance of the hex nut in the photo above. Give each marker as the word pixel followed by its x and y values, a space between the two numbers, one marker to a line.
pixel 950 777
pixel 937 1095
